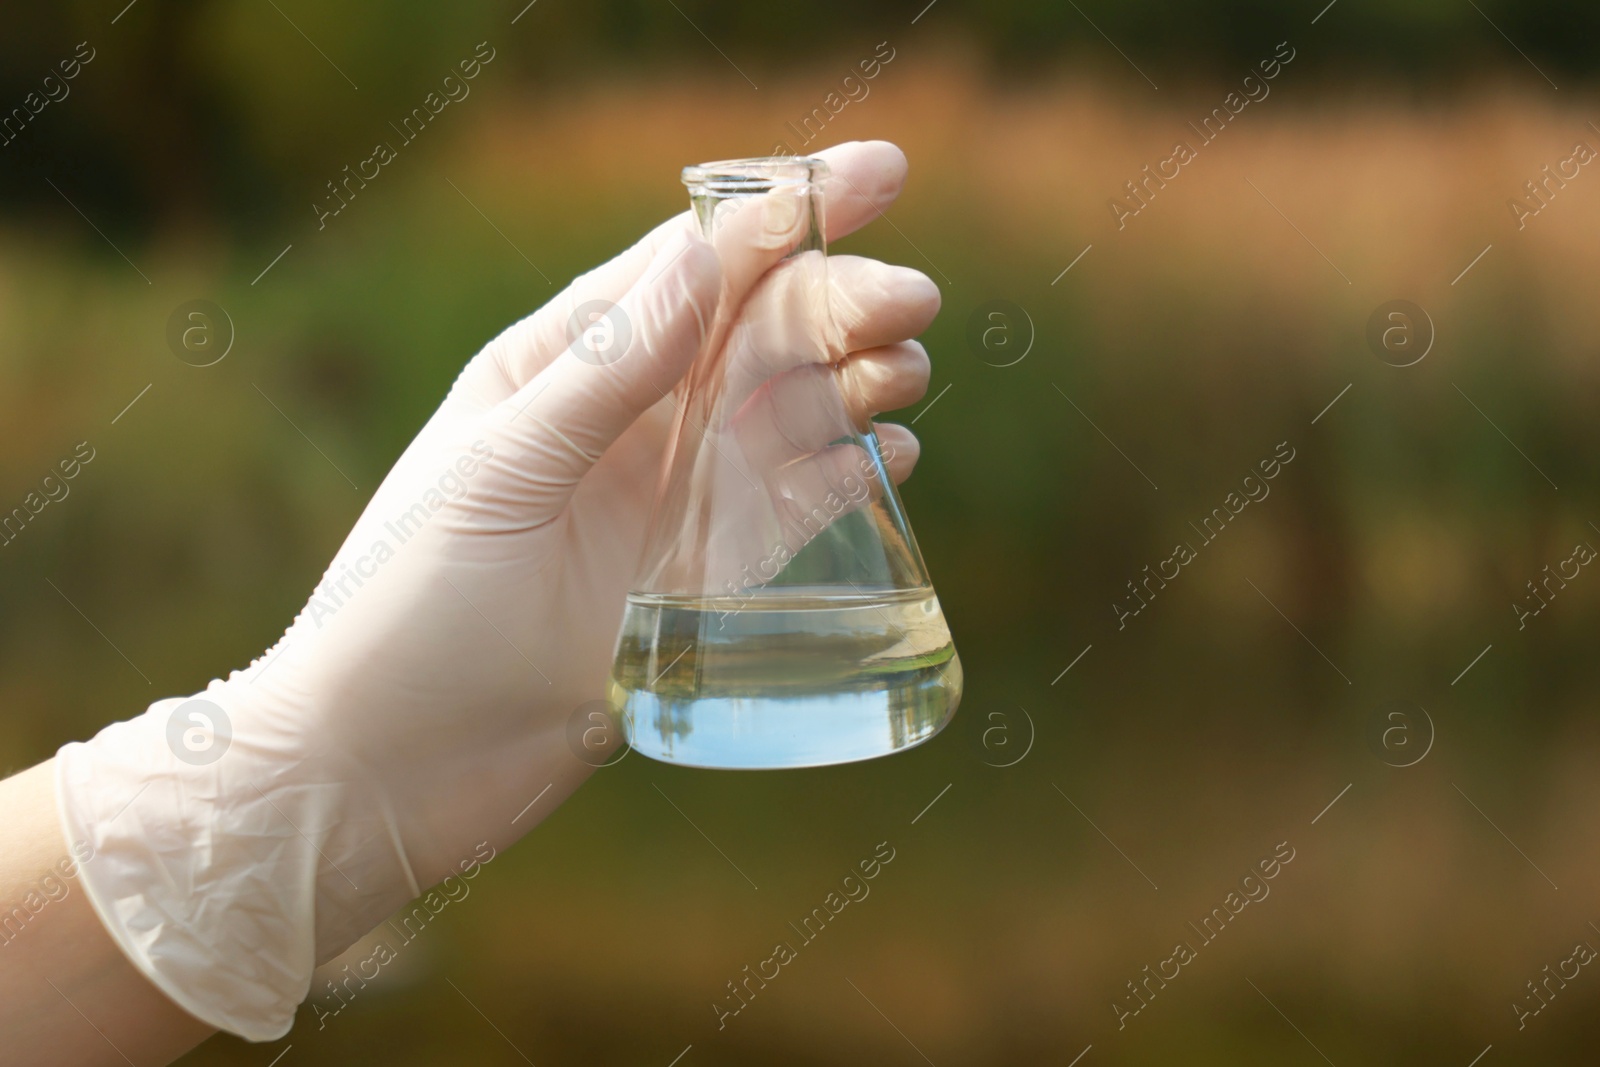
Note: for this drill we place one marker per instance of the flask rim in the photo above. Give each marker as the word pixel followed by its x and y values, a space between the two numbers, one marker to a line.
pixel 755 175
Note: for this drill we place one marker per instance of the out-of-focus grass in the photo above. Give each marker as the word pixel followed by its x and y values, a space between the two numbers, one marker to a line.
pixel 1209 330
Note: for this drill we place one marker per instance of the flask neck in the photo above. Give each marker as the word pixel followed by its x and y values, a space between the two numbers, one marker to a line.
pixel 720 192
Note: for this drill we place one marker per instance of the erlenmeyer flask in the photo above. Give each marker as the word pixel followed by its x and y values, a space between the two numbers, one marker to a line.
pixel 782 615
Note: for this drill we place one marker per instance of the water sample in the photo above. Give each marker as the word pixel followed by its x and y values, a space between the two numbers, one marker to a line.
pixel 782 615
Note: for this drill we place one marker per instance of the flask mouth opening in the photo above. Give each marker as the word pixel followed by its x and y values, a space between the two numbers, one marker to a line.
pixel 752 177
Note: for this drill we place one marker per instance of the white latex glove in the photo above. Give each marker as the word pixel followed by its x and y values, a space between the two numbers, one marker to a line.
pixel 420 701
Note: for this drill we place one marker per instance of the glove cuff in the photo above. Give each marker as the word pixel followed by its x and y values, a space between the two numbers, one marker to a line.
pixel 225 863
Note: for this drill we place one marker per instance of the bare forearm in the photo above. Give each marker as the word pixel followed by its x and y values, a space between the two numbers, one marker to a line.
pixel 68 995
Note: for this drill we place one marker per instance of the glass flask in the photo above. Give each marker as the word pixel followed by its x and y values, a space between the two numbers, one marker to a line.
pixel 781 615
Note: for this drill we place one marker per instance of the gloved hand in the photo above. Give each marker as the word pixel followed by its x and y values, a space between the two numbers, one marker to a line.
pixel 419 702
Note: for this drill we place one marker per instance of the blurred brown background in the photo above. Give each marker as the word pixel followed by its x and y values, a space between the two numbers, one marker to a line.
pixel 1174 355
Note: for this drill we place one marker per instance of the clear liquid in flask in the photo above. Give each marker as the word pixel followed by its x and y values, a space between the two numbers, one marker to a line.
pixel 797 678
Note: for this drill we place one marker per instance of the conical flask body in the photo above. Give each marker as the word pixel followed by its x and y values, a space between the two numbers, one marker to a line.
pixel 782 615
